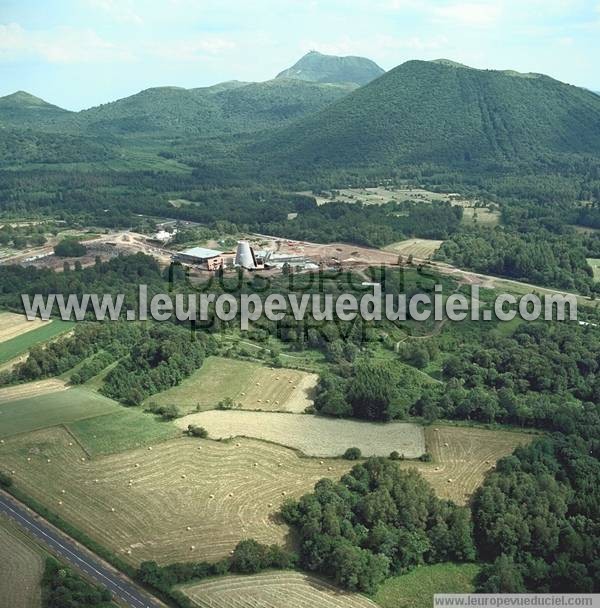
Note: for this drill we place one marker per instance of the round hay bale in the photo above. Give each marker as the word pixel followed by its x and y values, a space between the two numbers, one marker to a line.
pixel 1 440
pixel 183 476
pixel 192 547
pixel 449 481
pixel 259 400
pixel 48 460
pixel 270 504
pixel 284 493
pixel 128 551
pixel 70 444
pixel 445 445
pixel 96 480
pixel 137 465
pixel 149 448
pixel 82 459
pixel 13 472
pixel 63 491
pixel 212 496
pixel 29 460
pixel 255 464
pixel 188 528
pixel 60 502
pixel 230 494
pixel 243 394
pixel 321 462
pixel 112 509
pixel 330 468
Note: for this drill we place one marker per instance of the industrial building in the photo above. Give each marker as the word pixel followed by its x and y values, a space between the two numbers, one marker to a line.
pixel 209 259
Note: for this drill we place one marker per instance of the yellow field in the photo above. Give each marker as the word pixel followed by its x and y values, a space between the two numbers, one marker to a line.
pixel 31 389
pixel 251 386
pixel 419 248
pixel 214 488
pixel 313 435
pixel 223 491
pixel 13 325
pixel 272 590
pixel 21 568
pixel 463 455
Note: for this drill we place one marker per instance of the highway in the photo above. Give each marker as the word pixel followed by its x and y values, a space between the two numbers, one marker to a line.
pixel 124 590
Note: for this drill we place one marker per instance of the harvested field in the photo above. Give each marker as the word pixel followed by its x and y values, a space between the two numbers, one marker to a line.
pixel 312 435
pixel 39 411
pixel 21 568
pixel 273 590
pixel 13 325
pixel 31 389
pixel 464 455
pixel 419 248
pixel 251 386
pixel 214 488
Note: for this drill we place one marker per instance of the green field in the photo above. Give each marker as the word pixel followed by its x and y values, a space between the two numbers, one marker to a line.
pixel 217 379
pixel 42 411
pixel 17 346
pixel 122 430
pixel 416 589
pixel 595 264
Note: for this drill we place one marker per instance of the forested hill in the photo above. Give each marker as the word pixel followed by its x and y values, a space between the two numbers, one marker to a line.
pixel 316 67
pixel 23 110
pixel 223 109
pixel 443 112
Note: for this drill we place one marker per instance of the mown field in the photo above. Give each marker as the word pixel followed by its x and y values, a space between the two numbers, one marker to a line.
pixel 224 492
pixel 419 248
pixel 250 385
pixel 21 568
pixel 21 343
pixel 417 588
pixel 31 389
pixel 43 409
pixel 312 435
pixel 273 590
pixel 480 216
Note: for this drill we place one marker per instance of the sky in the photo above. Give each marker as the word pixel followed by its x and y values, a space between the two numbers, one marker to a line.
pixel 81 53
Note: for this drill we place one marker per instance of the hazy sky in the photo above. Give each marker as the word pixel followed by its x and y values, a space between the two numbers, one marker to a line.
pixel 79 53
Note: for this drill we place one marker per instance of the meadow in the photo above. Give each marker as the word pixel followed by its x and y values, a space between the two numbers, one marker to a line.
pixel 417 588
pixel 421 249
pixel 43 410
pixel 21 343
pixel 250 385
pixel 595 264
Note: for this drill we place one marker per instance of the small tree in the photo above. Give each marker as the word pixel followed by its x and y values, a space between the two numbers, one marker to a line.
pixel 197 431
pixel 352 454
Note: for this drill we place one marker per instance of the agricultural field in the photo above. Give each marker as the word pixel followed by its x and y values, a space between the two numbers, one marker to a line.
pixel 417 588
pixel 44 409
pixel 419 248
pixel 463 455
pixel 312 435
pixel 272 590
pixel 19 344
pixel 595 264
pixel 21 568
pixel 31 389
pixel 252 386
pixel 124 429
pixel 222 492
pixel 13 325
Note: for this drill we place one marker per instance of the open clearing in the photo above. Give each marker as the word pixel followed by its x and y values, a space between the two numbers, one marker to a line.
pixel 595 264
pixel 419 248
pixel 381 195
pixel 19 344
pixel 417 588
pixel 272 590
pixel 21 568
pixel 224 492
pixel 464 455
pixel 480 216
pixel 312 435
pixel 251 386
pixel 13 325
pixel 44 410
pixel 31 389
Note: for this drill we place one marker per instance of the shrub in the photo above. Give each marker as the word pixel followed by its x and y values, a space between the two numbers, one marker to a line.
pixel 352 454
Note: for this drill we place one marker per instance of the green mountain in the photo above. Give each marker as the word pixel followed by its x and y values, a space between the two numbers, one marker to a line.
pixel 442 112
pixel 226 108
pixel 22 110
pixel 315 67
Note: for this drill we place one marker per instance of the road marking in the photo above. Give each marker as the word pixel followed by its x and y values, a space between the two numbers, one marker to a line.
pixel 79 559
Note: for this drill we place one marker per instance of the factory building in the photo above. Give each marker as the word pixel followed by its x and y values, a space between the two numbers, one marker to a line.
pixel 210 259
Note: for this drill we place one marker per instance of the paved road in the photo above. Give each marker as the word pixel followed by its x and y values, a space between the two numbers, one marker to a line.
pixel 123 589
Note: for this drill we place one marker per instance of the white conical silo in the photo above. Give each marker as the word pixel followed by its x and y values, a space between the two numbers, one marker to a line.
pixel 244 256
